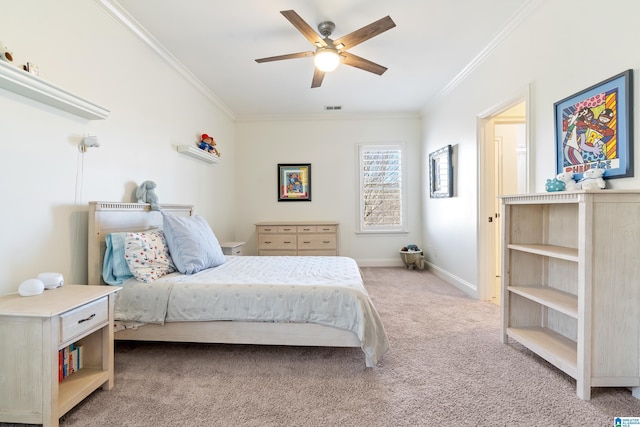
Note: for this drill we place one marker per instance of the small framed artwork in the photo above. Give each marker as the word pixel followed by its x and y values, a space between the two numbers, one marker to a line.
pixel 294 182
pixel 441 173
pixel 594 129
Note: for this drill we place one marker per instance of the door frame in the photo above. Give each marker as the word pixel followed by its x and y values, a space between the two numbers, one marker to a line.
pixel 486 249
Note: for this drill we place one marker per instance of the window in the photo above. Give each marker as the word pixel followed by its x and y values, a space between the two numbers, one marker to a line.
pixel 382 192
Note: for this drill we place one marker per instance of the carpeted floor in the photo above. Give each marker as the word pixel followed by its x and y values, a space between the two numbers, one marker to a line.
pixel 446 366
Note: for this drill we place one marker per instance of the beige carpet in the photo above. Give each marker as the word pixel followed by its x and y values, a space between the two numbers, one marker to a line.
pixel 446 367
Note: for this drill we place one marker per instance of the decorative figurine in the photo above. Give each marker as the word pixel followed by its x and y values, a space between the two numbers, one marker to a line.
pixel 5 55
pixel 208 144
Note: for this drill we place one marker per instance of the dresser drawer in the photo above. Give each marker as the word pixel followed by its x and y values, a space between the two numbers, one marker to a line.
pixel 277 241
pixel 307 229
pixel 327 229
pixel 262 229
pixel 317 241
pixel 82 319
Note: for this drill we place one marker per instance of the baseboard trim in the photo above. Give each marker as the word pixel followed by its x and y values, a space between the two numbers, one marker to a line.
pixel 466 287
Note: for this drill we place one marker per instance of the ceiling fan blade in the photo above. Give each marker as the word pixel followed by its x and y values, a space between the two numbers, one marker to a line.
pixel 365 33
pixel 289 56
pixel 304 28
pixel 317 77
pixel 363 64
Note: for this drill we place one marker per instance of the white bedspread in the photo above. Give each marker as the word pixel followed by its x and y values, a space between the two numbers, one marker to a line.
pixel 324 290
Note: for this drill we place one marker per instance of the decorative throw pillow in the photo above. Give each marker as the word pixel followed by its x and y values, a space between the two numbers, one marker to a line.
pixel 192 243
pixel 147 255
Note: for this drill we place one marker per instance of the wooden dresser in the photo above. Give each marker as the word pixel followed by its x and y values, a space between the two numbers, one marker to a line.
pixel 319 238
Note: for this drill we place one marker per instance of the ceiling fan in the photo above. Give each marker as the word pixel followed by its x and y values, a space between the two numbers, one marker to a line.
pixel 329 53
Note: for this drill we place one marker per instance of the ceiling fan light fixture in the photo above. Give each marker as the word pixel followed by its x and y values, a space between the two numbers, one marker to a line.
pixel 326 59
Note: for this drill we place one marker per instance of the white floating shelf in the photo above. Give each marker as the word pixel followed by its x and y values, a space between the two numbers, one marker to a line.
pixel 193 151
pixel 32 86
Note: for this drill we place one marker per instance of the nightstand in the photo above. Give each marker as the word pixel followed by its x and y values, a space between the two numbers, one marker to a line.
pixel 232 248
pixel 33 330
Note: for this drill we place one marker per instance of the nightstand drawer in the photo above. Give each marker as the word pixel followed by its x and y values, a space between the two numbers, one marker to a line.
pixel 76 322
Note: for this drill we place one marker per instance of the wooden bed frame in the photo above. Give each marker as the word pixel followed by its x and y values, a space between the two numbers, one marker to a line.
pixel 110 217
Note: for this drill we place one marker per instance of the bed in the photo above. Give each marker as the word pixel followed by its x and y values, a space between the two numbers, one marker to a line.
pixel 291 301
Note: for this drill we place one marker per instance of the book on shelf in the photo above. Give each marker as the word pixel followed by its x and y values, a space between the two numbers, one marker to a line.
pixel 69 361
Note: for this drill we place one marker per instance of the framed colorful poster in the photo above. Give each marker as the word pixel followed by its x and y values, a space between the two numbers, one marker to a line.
pixel 594 129
pixel 294 182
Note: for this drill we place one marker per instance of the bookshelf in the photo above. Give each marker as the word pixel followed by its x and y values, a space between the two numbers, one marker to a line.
pixel 569 283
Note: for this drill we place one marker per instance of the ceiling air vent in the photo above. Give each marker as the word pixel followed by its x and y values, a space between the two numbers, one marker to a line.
pixel 333 107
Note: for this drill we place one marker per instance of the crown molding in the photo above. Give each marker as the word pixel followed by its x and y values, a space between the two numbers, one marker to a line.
pixel 124 18
pixel 514 22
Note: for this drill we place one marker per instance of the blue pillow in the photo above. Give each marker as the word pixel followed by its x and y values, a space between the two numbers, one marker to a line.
pixel 192 244
pixel 115 269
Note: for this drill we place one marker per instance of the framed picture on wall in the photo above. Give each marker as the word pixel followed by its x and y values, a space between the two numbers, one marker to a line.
pixel 294 182
pixel 594 129
pixel 441 173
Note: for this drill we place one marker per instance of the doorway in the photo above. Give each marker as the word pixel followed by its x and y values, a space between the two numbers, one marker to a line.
pixel 503 169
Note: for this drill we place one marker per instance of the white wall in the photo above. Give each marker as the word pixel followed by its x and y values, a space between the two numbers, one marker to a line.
pixel 562 48
pixel 330 147
pixel 78 47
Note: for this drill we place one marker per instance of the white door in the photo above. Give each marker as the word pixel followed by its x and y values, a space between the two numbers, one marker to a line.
pixel 503 170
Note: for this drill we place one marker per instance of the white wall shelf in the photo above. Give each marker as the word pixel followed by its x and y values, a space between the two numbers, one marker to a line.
pixel 31 86
pixel 193 151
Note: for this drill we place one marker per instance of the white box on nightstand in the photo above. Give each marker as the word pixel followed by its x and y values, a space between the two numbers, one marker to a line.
pixel 232 248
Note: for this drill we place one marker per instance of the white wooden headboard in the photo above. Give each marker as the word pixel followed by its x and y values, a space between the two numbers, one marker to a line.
pixel 111 217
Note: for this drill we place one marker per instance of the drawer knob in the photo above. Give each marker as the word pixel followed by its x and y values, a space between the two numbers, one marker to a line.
pixel 87 319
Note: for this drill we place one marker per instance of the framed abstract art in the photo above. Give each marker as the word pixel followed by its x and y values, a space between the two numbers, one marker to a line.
pixel 594 129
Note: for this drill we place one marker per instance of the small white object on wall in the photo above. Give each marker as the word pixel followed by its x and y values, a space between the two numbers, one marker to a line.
pixel 88 141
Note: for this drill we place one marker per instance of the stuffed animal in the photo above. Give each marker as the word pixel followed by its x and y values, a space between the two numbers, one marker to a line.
pixel 146 194
pixel 5 55
pixel 592 180
pixel 554 185
pixel 569 182
pixel 207 143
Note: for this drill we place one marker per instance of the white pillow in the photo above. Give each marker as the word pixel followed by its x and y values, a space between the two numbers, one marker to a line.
pixel 192 244
pixel 147 255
